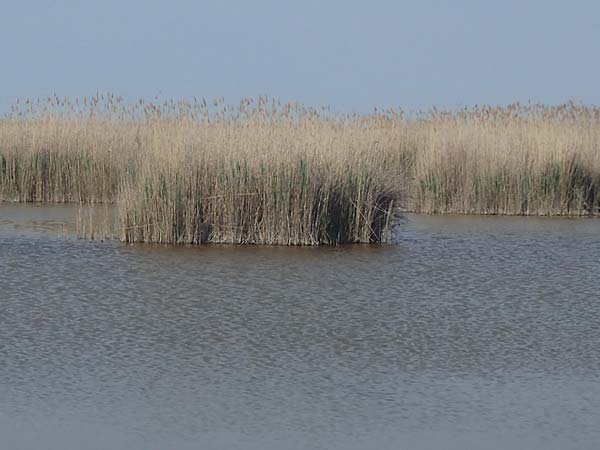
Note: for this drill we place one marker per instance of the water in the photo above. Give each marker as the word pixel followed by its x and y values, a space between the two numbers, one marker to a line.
pixel 470 332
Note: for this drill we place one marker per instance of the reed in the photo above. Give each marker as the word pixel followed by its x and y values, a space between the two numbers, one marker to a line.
pixel 268 184
pixel 272 173
pixel 194 173
pixel 524 160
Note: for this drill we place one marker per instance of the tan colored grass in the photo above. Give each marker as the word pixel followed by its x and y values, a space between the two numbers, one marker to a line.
pixel 518 160
pixel 265 172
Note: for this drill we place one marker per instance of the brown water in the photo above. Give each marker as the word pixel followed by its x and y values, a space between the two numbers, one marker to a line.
pixel 469 332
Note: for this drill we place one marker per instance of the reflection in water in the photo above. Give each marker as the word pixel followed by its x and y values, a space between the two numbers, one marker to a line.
pixel 468 333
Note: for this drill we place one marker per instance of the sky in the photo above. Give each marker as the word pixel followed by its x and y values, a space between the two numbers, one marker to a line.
pixel 350 55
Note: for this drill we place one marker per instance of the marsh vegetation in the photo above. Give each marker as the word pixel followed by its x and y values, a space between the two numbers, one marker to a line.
pixel 272 173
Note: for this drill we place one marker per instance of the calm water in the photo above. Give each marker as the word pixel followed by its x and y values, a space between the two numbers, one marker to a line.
pixel 479 333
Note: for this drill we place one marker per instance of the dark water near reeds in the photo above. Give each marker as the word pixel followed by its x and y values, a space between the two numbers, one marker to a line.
pixel 469 333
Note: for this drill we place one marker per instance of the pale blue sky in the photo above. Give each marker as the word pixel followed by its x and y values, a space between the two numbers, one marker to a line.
pixel 348 54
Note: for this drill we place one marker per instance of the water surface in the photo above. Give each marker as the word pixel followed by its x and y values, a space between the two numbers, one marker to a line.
pixel 469 332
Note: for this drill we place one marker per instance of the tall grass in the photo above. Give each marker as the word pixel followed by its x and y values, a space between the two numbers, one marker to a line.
pixel 526 160
pixel 258 183
pixel 193 173
pixel 265 172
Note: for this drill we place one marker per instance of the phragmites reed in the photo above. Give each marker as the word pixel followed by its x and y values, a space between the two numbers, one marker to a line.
pixel 203 172
pixel 258 183
pixel 272 173
pixel 524 160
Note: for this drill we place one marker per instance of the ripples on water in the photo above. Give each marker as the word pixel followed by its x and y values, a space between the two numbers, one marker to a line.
pixel 468 333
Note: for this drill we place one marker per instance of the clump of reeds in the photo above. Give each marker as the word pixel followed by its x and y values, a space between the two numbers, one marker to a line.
pixel 291 183
pixel 267 203
pixel 52 152
pixel 198 172
pixel 522 159
pixel 266 172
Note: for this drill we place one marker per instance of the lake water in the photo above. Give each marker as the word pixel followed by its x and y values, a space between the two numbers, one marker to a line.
pixel 468 333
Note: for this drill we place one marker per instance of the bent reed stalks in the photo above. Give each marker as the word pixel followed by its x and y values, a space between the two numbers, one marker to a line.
pixel 272 173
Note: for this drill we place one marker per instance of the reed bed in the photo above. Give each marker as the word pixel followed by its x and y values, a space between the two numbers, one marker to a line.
pixel 519 160
pixel 258 183
pixel 271 173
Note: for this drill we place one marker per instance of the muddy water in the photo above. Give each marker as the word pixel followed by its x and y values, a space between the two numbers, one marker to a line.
pixel 467 333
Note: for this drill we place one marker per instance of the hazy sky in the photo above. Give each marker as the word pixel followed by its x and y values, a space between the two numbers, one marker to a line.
pixel 352 55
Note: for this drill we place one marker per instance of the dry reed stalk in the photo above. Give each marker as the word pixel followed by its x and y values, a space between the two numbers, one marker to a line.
pixel 273 173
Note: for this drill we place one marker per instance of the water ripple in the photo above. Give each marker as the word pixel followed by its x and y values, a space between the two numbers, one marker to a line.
pixel 465 331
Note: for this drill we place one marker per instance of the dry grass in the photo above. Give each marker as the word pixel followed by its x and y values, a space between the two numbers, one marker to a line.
pixel 526 160
pixel 258 183
pixel 262 172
